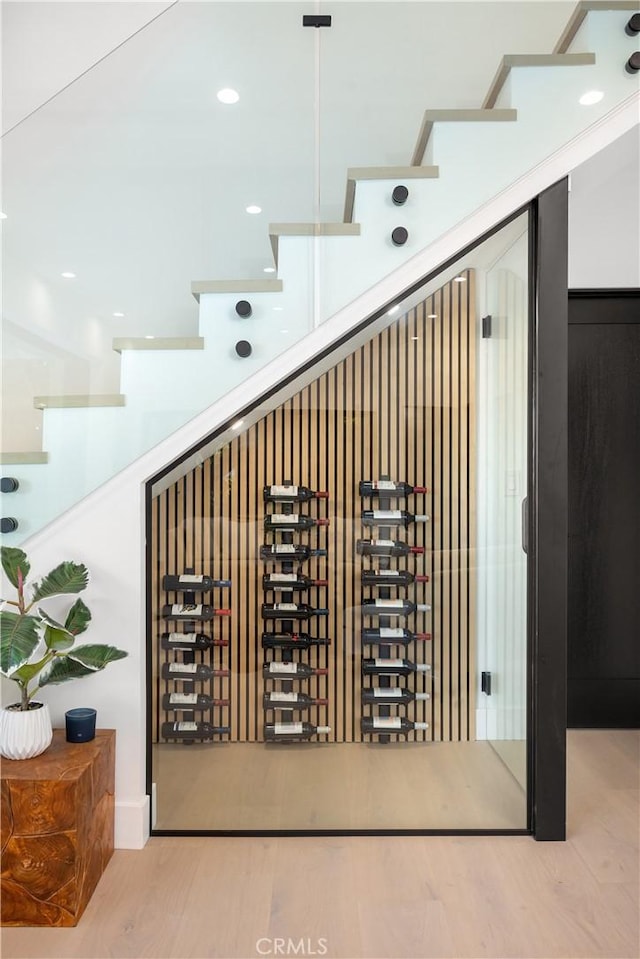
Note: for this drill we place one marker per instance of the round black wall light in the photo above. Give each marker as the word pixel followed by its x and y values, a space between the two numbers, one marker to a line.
pixel 400 194
pixel 632 29
pixel 8 524
pixel 243 348
pixel 399 236
pixel 633 63
pixel 243 309
pixel 8 484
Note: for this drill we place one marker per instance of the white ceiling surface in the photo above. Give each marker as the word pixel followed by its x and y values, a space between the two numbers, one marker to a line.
pixel 136 178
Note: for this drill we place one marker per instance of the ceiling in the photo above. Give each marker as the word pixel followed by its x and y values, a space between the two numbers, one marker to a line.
pixel 135 178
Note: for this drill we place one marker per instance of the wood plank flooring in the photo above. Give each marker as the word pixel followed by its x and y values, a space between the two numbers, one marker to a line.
pixel 373 898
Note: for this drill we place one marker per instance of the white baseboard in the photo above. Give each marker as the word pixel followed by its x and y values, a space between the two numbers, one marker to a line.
pixel 132 823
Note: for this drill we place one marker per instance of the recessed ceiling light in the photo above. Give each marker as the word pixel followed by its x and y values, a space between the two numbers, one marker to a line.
pixel 459 279
pixel 227 95
pixel 269 269
pixel 415 337
pixel 278 308
pixel 284 331
pixel 394 309
pixel 432 316
pixel 590 97
pixel 148 337
pixel 118 314
pixel 68 275
pixel 3 216
pixel 237 424
pixel 253 208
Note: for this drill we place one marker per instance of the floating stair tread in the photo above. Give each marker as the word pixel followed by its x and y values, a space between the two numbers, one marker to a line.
pixel 158 343
pixel 382 173
pixel 198 287
pixel 532 60
pixel 277 230
pixel 449 116
pixel 78 400
pixel 22 459
pixel 582 9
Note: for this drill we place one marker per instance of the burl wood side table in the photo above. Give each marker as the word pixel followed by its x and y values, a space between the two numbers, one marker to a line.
pixel 57 829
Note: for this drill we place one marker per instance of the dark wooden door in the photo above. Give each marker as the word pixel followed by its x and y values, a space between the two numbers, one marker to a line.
pixel 604 509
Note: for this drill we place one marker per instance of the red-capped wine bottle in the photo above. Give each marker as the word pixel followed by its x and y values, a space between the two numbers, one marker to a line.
pixel 388 488
pixel 192 611
pixel 385 547
pixel 297 701
pixel 392 517
pixel 391 577
pixel 191 672
pixel 289 552
pixel 275 670
pixel 291 611
pixel 279 732
pixel 193 583
pixel 289 523
pixel 292 641
pixel 392 607
pixel 190 641
pixel 393 696
pixel 192 730
pixel 191 701
pixel 392 667
pixel 390 636
pixel 283 582
pixel 381 725
pixel 291 494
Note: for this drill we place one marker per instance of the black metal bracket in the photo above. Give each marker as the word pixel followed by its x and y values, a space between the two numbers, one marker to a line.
pixel 486 327
pixel 485 683
pixel 316 20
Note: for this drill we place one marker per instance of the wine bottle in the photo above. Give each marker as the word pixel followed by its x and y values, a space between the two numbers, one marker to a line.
pixel 291 611
pixel 297 701
pixel 290 522
pixel 389 724
pixel 191 672
pixel 290 581
pixel 196 584
pixel 278 732
pixel 385 547
pixel 276 670
pixel 191 730
pixel 392 667
pixel 388 488
pixel 289 552
pixel 392 607
pixel 391 517
pixel 391 577
pixel 292 641
pixel 393 696
pixel 192 611
pixel 191 701
pixel 291 494
pixel 390 636
pixel 190 641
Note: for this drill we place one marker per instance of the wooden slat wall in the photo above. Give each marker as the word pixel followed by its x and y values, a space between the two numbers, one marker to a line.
pixel 402 405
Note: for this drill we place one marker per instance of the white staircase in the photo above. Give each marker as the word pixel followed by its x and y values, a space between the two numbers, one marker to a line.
pixel 462 161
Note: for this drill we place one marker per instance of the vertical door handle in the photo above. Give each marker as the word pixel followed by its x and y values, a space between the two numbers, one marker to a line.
pixel 525 524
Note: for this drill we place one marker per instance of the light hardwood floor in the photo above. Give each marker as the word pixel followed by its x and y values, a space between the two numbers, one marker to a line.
pixel 382 898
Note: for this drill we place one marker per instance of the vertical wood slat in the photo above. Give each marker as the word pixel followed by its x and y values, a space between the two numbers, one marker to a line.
pixel 400 406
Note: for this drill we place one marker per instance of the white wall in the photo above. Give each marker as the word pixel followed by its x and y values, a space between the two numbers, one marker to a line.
pixel 604 217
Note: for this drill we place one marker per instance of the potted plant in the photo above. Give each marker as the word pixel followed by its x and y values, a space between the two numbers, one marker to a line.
pixel 37 651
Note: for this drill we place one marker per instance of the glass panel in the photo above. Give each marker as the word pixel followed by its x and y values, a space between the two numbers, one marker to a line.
pixel 135 178
pixel 368 522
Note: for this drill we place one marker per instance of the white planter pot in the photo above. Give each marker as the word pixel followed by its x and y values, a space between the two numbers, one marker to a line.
pixel 25 734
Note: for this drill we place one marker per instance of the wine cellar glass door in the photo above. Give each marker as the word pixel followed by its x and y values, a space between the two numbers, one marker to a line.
pixel 339 586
